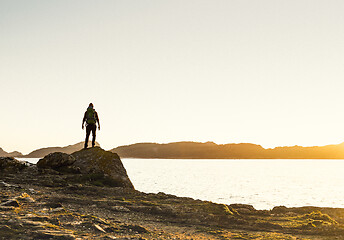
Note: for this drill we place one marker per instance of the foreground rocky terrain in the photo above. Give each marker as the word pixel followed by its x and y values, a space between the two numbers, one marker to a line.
pixel 88 195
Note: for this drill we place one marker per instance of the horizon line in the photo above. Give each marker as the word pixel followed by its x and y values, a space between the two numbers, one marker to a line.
pixel 185 141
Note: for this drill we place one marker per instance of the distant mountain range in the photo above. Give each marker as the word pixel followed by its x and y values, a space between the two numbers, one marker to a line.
pixel 196 150
pixel 210 150
pixel 39 153
pixel 10 154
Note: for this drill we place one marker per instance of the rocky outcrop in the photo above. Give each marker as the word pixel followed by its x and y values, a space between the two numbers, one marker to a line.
pixel 61 162
pixel 94 164
pixel 98 161
pixel 11 165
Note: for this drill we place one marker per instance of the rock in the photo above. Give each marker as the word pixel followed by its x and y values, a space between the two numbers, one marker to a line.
pixel 7 232
pixel 262 212
pixel 6 208
pixel 11 165
pixel 53 205
pixel 58 161
pixel 244 209
pixel 135 228
pixel 10 203
pixel 48 171
pixel 120 209
pixel 279 210
pixel 3 184
pixel 99 228
pixel 51 234
pixel 6 185
pixel 102 165
pixel 32 191
pixel 239 205
pixel 24 197
pixel 317 215
pixel 268 225
pixel 5 228
pixel 59 209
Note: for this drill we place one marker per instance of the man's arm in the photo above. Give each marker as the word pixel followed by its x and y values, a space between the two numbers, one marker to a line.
pixel 83 121
pixel 97 119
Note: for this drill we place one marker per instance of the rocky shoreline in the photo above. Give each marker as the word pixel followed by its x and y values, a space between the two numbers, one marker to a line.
pixel 73 197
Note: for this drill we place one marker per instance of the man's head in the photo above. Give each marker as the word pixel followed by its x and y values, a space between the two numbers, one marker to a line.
pixel 91 105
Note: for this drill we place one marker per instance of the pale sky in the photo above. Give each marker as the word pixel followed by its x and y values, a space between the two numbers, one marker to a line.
pixel 268 72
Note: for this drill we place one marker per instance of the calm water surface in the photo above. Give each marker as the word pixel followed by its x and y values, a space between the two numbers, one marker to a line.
pixel 261 183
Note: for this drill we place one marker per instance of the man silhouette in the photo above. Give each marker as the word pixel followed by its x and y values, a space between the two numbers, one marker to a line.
pixel 91 119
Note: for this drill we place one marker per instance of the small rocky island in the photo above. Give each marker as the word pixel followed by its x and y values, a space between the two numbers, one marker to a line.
pixel 88 195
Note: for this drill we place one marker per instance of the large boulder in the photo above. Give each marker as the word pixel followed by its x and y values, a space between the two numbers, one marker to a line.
pixel 96 161
pixel 11 165
pixel 58 161
pixel 94 165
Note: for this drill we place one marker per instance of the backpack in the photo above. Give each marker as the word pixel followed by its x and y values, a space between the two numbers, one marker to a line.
pixel 90 116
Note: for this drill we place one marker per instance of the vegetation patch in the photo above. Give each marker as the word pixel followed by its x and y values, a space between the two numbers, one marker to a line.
pixel 319 217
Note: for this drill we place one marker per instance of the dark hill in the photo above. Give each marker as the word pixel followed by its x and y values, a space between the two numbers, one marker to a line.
pixel 210 150
pixel 45 151
pixel 10 154
pixel 189 150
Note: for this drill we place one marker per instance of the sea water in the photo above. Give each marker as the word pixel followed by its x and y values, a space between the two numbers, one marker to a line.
pixel 261 183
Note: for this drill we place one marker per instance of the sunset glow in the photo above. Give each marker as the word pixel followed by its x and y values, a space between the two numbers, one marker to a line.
pixel 265 72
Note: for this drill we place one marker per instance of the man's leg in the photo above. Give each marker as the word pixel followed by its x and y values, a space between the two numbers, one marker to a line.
pixel 94 128
pixel 88 131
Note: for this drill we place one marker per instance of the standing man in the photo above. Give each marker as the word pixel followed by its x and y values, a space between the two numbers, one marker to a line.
pixel 91 118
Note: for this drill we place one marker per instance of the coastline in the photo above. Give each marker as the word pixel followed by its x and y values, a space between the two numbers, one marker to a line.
pixel 55 206
pixel 47 208
pixel 249 182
